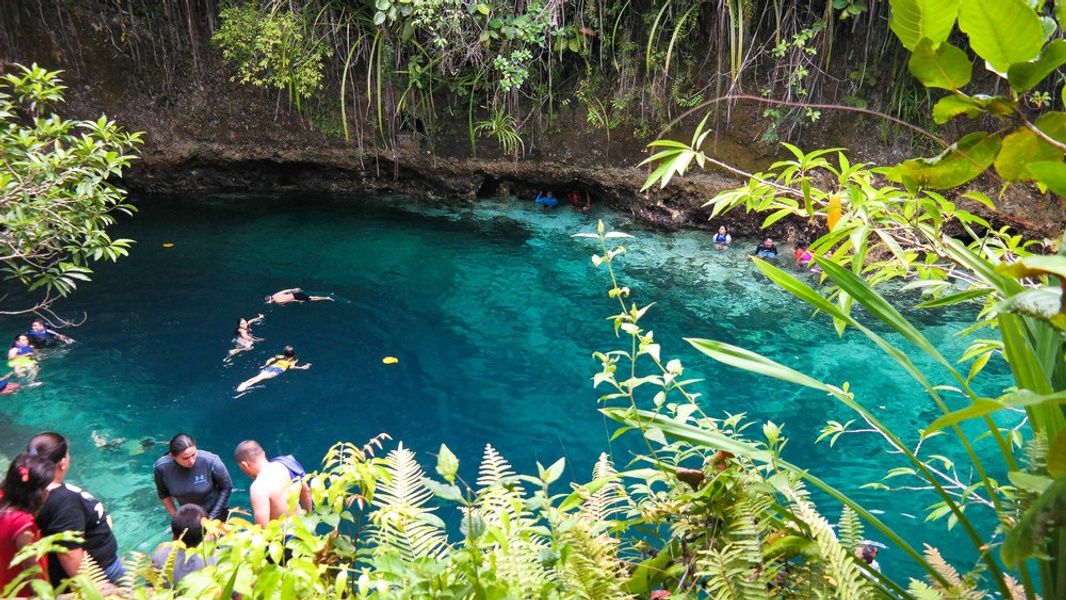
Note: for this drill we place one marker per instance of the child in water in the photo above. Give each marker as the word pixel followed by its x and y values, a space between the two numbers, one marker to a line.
pixel 273 367
pixel 722 239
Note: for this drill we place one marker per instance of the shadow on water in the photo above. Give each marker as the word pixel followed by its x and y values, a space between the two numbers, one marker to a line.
pixel 493 311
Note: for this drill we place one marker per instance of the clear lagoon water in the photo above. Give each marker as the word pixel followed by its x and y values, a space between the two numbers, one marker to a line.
pixel 493 311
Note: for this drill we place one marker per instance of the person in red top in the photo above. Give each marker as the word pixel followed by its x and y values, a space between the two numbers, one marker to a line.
pixel 25 488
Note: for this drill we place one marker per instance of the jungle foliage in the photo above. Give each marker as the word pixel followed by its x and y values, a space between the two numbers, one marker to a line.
pixel 57 192
pixel 370 70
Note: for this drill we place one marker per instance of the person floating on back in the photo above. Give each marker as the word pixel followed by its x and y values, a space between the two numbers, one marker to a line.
pixel 294 295
pixel 275 366
pixel 186 526
pixel 272 482
pixel 8 387
pixel 41 336
pixel 242 335
pixel 20 358
pixel 546 199
pixel 722 239
pixel 766 249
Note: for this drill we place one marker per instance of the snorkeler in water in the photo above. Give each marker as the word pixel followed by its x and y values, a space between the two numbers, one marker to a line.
pixel 294 295
pixel 242 335
pixel 275 366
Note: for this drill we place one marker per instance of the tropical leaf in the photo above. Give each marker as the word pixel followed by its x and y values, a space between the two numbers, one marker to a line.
pixel 402 524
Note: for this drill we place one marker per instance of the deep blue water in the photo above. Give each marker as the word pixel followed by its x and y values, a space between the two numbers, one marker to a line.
pixel 493 311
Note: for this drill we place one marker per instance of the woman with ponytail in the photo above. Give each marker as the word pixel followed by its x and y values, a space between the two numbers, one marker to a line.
pixel 25 489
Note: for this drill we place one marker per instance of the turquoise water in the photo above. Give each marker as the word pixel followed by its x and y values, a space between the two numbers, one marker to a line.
pixel 493 311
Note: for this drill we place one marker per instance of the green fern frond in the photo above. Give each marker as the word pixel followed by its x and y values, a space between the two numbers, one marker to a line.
pixel 1017 592
pixel 846 577
pixel 960 589
pixel 730 574
pixel 609 501
pixel 494 470
pixel 849 528
pixel 402 524
pixel 923 591
pixel 591 569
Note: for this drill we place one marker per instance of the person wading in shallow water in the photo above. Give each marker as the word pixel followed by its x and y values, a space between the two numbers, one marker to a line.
pixel 294 295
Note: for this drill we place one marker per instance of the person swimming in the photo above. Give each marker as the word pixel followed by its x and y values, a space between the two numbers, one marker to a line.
pixel 275 366
pixel 766 249
pixel 294 295
pixel 8 387
pixel 722 239
pixel 547 199
pixel 41 336
pixel 803 255
pixel 242 335
pixel 20 357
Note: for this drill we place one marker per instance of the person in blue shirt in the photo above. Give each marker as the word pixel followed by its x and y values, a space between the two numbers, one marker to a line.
pixel 547 199
pixel 722 239
pixel 42 337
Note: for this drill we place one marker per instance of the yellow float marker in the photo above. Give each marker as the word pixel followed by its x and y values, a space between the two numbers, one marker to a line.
pixel 168 244
pixel 390 360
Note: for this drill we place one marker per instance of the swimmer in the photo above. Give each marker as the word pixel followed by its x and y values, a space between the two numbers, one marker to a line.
pixel 294 295
pixel 803 255
pixel 547 199
pixel 275 366
pixel 42 337
pixel 8 387
pixel 579 204
pixel 242 335
pixel 766 249
pixel 20 358
pixel 722 239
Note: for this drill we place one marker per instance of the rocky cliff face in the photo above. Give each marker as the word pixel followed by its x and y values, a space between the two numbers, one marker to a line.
pixel 215 135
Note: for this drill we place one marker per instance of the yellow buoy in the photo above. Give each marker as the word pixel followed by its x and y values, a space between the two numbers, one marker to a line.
pixel 168 245
pixel 390 360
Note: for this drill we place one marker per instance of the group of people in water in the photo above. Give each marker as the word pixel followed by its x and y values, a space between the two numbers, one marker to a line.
pixel 192 484
pixel 580 203
pixel 22 356
pixel 766 248
pixel 244 340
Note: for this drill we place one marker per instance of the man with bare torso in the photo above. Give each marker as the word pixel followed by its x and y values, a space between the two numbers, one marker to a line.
pixel 271 482
pixel 294 295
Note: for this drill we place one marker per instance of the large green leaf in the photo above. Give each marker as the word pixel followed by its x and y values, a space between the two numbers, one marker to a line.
pixel 1003 32
pixel 949 107
pixel 1019 150
pixel 913 20
pixel 944 67
pixel 1056 455
pixel 1050 173
pixel 1025 76
pixel 985 406
pixel 960 163
pixel 1042 303
pixel 1035 266
pixel 756 363
pixel 1037 525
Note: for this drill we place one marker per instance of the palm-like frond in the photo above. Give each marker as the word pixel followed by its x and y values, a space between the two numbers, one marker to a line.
pixel 848 580
pixel 849 529
pixel 494 470
pixel 730 574
pixel 402 524
pixel 591 569
pixel 960 589
pixel 609 501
